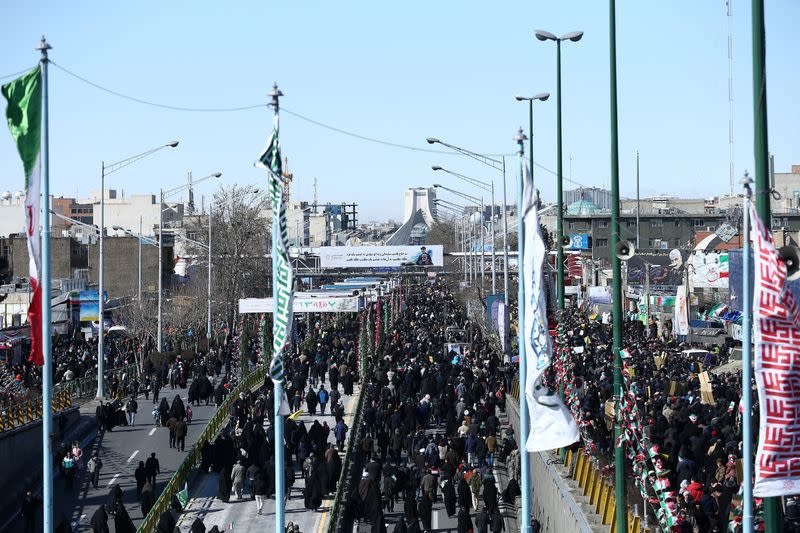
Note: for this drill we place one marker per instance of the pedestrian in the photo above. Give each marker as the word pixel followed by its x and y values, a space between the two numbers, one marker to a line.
pixel 30 510
pixel 340 432
pixel 93 467
pixel 237 478
pixel 171 423
pixel 131 407
pixel 148 498
pixel 140 475
pixel 152 468
pixel 69 466
pixel 99 521
pixel 260 488
pixel 122 520
pixel 100 418
pixel 180 434
pixel 322 398
pixel 189 414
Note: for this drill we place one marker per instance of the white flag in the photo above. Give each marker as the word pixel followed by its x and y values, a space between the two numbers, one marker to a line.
pixel 551 424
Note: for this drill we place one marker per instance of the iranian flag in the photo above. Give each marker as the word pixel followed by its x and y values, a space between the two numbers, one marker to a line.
pixel 24 114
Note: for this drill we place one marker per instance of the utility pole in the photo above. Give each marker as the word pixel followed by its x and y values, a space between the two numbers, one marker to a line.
pixel 638 246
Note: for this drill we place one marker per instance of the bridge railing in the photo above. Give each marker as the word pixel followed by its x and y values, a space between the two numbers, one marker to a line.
pixel 65 395
pixel 181 475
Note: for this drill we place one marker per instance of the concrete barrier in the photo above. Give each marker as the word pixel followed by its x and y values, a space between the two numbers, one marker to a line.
pixel 552 503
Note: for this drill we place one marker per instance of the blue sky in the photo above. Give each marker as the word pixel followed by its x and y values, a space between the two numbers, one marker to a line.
pixel 399 72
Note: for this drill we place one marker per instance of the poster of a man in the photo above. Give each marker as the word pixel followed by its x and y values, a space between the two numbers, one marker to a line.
pixel 422 258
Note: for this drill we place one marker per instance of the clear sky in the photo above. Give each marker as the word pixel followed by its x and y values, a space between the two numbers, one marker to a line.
pixel 399 72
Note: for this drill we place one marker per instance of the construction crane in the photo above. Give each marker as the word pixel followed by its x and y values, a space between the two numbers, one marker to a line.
pixel 287 181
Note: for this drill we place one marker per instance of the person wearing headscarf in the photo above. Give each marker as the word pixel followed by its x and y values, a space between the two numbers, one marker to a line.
pixel 122 520
pixel 99 521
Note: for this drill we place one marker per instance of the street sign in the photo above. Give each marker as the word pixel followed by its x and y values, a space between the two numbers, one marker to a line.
pixel 579 241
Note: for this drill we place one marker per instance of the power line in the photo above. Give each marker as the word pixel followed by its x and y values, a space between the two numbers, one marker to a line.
pixel 14 75
pixel 156 104
pixel 288 111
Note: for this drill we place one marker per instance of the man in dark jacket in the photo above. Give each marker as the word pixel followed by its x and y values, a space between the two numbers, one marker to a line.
pixel 99 520
pixel 152 468
pixel 140 475
pixel 180 434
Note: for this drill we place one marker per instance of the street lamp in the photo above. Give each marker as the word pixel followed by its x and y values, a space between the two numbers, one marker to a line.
pixel 574 36
pixel 488 187
pixel 476 200
pixel 500 166
pixel 166 194
pixel 542 97
pixel 141 238
pixel 104 171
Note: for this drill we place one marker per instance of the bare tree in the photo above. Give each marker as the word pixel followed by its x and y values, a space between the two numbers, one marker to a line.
pixel 240 235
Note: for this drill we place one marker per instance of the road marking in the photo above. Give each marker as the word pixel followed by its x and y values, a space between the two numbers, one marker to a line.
pixel 435 521
pixel 132 456
pixel 77 523
pixel 322 519
pixel 113 479
pixel 151 432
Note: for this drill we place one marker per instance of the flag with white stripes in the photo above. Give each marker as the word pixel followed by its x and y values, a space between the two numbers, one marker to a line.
pixel 282 277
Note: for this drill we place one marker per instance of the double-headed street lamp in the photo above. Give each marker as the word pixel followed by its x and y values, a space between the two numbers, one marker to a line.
pixel 477 201
pixel 104 171
pixel 574 36
pixel 500 166
pixel 166 194
pixel 488 187
pixel 530 99
pixel 460 225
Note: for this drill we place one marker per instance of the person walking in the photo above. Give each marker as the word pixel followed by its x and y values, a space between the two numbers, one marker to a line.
pixel 131 407
pixel 322 398
pixel 140 475
pixel 93 467
pixel 152 468
pixel 237 478
pixel 260 488
pixel 171 423
pixel 30 510
pixel 181 429
pixel 340 432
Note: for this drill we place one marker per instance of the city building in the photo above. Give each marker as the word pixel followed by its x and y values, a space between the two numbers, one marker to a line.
pixel 420 199
pixel 127 212
pixel 597 195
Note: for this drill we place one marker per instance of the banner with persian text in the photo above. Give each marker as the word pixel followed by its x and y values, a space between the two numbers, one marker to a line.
pixel 777 370
pixel 303 305
pixel 380 256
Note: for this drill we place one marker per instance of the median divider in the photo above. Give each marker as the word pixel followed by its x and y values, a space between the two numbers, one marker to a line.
pixel 179 479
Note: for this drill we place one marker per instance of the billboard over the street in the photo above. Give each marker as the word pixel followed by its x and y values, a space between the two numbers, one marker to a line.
pixel 380 256
pixel 665 269
pixel 303 305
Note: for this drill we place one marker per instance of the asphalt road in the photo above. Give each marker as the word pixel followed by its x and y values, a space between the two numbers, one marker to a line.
pixel 241 515
pixel 121 450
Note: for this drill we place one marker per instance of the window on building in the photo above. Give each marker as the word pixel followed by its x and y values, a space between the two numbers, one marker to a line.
pixel 677 223
pixel 654 243
pixel 601 243
pixel 656 222
pixel 631 222
pixel 664 245
pixel 676 242
pixel 698 222
pixel 601 223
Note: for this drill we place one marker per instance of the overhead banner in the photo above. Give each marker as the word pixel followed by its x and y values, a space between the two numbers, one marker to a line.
pixel 665 270
pixel 710 270
pixel 380 256
pixel 777 348
pixel 493 302
pixel 302 305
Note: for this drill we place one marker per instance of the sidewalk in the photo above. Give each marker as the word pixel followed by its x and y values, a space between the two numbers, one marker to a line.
pixel 241 514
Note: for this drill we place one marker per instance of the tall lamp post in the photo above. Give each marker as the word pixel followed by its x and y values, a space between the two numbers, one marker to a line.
pixel 471 225
pixel 542 97
pixel 616 269
pixel 574 36
pixel 164 195
pixel 500 166
pixel 105 170
pixel 488 187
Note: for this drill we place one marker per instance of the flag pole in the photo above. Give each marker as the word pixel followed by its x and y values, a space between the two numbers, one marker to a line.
pixel 44 281
pixel 277 372
pixel 747 369
pixel 524 425
pixel 772 505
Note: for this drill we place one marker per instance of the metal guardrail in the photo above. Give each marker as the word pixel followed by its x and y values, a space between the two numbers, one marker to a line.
pixel 65 395
pixel 218 420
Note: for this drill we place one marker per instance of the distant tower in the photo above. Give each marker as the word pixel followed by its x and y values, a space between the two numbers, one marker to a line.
pixel 420 198
pixel 287 181
pixel 190 207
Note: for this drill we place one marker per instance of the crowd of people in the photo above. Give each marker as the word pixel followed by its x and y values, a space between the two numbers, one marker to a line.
pixel 686 436
pixel 432 422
